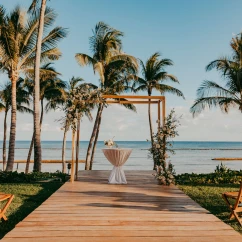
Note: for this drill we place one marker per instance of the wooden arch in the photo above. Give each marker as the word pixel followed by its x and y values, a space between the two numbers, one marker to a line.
pixel 128 99
pixel 140 100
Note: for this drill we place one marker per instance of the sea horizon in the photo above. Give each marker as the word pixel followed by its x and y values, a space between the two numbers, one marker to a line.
pixel 190 156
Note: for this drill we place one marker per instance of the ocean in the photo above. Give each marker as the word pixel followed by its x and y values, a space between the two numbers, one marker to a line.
pixel 189 156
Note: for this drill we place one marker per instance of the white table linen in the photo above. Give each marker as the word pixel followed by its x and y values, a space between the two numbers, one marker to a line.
pixel 117 157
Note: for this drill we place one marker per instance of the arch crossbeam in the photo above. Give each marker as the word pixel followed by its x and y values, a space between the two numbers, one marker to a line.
pixel 128 99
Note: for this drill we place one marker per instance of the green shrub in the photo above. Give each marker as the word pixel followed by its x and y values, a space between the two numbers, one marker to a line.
pixel 222 177
pixel 15 177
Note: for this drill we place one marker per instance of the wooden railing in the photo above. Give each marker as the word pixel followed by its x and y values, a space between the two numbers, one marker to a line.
pixel 45 161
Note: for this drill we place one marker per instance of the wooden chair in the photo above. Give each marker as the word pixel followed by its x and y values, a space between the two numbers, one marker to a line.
pixel 235 208
pixel 8 198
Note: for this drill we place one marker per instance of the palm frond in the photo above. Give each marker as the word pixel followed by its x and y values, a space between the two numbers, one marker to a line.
pixel 74 82
pixel 208 102
pixel 33 6
pixel 163 76
pixel 222 64
pixel 83 59
pixel 98 67
pixel 209 88
pixel 2 106
pixel 162 88
pixel 23 109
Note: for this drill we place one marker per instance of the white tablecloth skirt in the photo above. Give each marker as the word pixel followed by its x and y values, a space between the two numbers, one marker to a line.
pixel 117 176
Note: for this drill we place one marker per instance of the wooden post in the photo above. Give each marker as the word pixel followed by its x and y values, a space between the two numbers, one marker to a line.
pixel 159 116
pixel 163 110
pixel 72 155
pixel 77 147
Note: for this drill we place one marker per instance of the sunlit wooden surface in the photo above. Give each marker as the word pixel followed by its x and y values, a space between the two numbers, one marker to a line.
pixel 91 210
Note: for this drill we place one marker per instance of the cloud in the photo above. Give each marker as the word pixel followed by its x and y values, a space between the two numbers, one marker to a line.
pixel 211 125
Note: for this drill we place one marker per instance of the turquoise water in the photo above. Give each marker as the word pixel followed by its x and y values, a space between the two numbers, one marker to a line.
pixel 190 156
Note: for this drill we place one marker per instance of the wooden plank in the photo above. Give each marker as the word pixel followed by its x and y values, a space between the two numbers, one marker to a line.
pixel 174 238
pixel 149 226
pixel 117 233
pixel 132 102
pixel 228 159
pixel 133 97
pixel 91 210
pixel 45 161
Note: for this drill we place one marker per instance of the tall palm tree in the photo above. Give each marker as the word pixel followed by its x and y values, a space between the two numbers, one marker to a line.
pixel 112 66
pixel 154 77
pixel 17 50
pixel 22 96
pixel 52 90
pixel 210 94
pixel 37 127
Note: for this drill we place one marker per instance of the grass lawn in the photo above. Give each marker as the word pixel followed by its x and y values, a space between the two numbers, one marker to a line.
pixel 209 197
pixel 28 196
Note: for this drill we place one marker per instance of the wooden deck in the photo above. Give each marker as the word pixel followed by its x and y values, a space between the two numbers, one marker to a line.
pixel 90 210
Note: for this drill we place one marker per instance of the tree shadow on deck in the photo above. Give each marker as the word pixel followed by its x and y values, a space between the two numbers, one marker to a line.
pixel 147 202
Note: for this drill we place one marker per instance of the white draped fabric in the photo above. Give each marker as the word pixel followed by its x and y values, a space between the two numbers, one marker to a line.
pixel 117 157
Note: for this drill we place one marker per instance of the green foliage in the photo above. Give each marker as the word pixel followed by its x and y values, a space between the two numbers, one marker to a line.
pixel 27 198
pixel 224 177
pixel 15 177
pixel 221 168
pixel 162 145
pixel 154 76
pixel 210 94
pixel 109 61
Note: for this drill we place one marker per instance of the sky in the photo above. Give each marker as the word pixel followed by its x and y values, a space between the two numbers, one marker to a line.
pixel 191 33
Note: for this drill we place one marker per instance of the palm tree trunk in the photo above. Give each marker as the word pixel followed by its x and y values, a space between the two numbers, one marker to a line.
pixel 239 78
pixel 32 141
pixel 29 155
pixel 151 128
pixel 94 131
pixel 150 124
pixel 64 149
pixel 72 155
pixel 11 149
pixel 4 139
pixel 37 142
pixel 77 146
pixel 96 138
pixel 42 113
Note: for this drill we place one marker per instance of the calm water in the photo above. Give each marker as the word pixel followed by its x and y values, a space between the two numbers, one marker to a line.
pixel 190 156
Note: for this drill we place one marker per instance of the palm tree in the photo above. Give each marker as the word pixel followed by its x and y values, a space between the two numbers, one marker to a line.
pixel 74 83
pixel 5 105
pixel 210 94
pixel 17 50
pixel 112 65
pixel 154 77
pixel 37 125
pixel 52 90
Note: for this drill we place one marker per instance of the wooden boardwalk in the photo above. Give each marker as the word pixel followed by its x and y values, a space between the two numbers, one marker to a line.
pixel 90 210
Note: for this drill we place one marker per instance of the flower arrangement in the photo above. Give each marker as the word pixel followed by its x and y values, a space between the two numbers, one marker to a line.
pixel 162 145
pixel 79 101
pixel 110 143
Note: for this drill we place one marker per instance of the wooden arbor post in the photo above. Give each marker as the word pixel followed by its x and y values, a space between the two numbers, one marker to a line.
pixel 163 112
pixel 72 156
pixel 77 146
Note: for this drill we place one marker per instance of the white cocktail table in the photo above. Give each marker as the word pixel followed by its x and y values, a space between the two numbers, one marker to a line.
pixel 117 157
